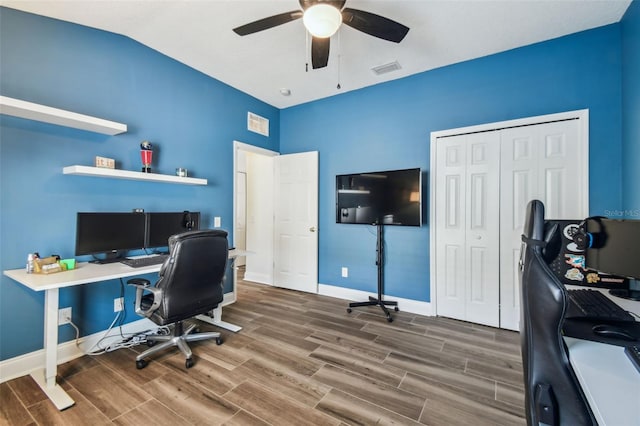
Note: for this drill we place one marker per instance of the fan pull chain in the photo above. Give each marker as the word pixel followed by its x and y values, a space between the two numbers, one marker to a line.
pixel 339 58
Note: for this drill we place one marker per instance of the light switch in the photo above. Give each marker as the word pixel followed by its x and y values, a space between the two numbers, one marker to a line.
pixel 217 222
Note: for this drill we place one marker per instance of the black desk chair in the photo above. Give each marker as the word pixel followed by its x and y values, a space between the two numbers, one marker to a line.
pixel 190 284
pixel 552 393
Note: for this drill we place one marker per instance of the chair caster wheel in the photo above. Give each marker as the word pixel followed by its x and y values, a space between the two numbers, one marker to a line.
pixel 141 364
pixel 389 319
pixel 189 363
pixel 151 343
pixel 218 341
pixel 348 310
pixel 396 309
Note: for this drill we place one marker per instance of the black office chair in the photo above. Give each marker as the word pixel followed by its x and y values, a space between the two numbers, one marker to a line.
pixel 190 284
pixel 552 393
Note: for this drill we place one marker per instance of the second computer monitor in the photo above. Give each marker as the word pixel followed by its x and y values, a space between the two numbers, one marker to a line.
pixel 160 226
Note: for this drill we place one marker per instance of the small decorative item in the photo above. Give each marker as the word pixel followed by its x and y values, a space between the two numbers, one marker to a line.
pixel 146 154
pixel 181 172
pixel 105 162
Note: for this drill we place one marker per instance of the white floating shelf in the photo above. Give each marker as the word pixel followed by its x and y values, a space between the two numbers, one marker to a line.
pixel 126 174
pixel 31 111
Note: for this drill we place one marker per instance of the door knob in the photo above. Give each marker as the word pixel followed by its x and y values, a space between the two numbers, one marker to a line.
pixel 312 229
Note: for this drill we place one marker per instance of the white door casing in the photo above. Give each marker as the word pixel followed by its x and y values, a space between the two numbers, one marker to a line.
pixel 296 222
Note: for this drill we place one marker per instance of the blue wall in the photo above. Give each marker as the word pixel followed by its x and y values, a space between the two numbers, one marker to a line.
pixel 388 126
pixel 631 110
pixel 190 118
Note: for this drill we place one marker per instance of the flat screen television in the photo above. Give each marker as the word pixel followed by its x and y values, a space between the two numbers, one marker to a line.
pixel 160 226
pixel 109 233
pixel 614 251
pixel 391 197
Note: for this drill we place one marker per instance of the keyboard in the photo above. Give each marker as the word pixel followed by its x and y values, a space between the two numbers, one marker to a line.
pixel 594 305
pixel 141 262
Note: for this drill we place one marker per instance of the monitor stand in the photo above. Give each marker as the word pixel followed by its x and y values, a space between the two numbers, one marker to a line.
pixel 633 293
pixel 380 262
pixel 111 257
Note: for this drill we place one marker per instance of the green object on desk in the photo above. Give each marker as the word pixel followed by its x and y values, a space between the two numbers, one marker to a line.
pixel 68 263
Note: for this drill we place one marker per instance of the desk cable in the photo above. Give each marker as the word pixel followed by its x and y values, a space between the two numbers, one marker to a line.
pixel 127 340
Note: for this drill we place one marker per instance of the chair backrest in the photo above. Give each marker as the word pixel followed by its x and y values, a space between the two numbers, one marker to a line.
pixel 552 393
pixel 192 277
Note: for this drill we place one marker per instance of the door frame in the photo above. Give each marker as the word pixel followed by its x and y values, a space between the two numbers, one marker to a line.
pixel 240 146
pixel 582 115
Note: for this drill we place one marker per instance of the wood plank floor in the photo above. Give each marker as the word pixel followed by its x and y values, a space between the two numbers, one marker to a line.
pixel 300 359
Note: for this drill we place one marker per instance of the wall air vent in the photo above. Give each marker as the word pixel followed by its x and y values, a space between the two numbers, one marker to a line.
pixel 257 124
pixel 386 68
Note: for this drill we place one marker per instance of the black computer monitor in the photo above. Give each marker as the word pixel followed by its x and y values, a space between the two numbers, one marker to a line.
pixel 160 226
pixel 614 251
pixel 109 234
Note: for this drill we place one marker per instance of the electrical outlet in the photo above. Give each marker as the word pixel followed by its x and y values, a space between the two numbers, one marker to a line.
pixel 345 272
pixel 64 316
pixel 118 304
pixel 217 222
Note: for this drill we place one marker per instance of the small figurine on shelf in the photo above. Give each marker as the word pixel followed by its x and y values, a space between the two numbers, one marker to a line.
pixel 146 154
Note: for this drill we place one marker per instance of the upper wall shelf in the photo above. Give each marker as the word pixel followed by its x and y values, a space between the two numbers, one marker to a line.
pixel 126 174
pixel 31 111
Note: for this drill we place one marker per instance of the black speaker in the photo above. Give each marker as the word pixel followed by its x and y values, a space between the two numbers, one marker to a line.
pixel 585 239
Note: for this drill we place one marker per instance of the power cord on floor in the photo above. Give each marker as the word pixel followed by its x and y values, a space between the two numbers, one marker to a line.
pixel 127 340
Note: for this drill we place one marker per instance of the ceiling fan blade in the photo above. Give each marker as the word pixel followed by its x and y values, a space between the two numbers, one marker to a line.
pixel 375 25
pixel 266 23
pixel 319 52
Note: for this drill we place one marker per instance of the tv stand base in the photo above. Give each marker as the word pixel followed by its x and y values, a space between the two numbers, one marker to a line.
pixel 376 302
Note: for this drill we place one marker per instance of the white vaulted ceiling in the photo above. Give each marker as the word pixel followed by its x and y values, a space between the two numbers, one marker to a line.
pixel 199 34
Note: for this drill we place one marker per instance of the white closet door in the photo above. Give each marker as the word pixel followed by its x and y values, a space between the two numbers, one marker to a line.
pixel 467 209
pixel 538 162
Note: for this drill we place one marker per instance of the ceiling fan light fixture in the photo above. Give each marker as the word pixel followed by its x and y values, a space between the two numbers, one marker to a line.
pixel 322 20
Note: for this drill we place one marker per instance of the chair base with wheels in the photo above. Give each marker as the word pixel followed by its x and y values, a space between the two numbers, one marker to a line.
pixel 179 338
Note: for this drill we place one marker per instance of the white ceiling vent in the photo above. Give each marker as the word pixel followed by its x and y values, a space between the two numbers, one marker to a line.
pixel 385 68
pixel 257 124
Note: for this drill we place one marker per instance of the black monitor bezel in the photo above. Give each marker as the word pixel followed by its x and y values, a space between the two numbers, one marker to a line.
pixel 82 248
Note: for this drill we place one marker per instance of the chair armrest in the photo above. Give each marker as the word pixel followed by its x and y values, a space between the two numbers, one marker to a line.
pixel 141 286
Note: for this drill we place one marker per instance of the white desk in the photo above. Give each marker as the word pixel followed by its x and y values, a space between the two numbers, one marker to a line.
pixel 85 273
pixel 607 377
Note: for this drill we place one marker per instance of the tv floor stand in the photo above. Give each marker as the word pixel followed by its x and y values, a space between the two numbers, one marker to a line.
pixel 380 262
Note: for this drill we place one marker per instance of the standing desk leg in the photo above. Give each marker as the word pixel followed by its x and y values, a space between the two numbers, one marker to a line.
pixel 46 378
pixel 215 318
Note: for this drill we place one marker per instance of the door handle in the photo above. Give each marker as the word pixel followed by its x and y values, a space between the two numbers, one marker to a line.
pixel 312 229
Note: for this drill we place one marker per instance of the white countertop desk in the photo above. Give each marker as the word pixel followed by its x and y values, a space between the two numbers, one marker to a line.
pixel 85 273
pixel 607 377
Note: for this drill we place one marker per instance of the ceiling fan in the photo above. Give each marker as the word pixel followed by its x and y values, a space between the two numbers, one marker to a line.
pixel 322 18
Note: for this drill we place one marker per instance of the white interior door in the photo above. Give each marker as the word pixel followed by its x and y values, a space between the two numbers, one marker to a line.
pixel 296 222
pixel 544 162
pixel 467 218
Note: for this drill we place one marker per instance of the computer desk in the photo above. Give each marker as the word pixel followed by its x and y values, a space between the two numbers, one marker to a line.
pixel 607 377
pixel 85 273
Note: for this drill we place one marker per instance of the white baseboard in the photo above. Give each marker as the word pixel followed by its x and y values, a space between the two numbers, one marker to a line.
pixel 405 305
pixel 258 278
pixel 24 364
